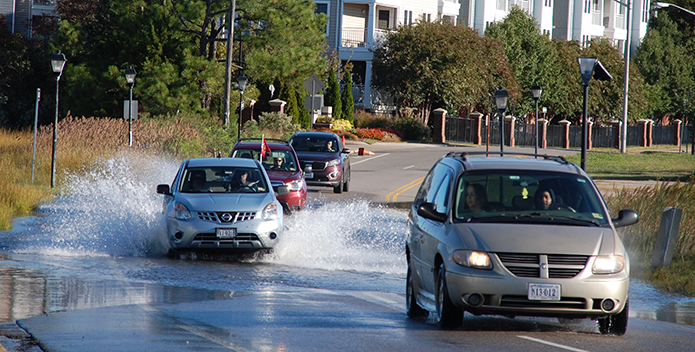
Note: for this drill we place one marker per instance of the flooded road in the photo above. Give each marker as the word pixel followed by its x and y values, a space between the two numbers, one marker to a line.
pixel 102 244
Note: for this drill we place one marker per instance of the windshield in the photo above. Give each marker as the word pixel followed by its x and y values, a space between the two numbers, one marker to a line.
pixel 277 160
pixel 314 144
pixel 222 180
pixel 527 196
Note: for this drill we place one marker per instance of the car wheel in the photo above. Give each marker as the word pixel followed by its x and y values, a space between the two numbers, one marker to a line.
pixel 346 186
pixel 448 315
pixel 615 324
pixel 411 306
pixel 338 188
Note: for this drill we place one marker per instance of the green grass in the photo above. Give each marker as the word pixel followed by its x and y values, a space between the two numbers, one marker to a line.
pixel 638 165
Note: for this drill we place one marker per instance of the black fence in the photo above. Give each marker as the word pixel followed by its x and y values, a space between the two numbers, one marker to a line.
pixel 464 130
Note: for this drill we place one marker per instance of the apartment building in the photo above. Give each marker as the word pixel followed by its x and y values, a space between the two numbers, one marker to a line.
pixel 21 14
pixel 357 26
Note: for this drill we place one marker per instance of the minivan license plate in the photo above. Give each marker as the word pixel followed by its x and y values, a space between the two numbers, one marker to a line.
pixel 226 233
pixel 544 292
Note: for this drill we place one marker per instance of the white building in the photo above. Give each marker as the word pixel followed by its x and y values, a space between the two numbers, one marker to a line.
pixel 356 26
pixel 20 14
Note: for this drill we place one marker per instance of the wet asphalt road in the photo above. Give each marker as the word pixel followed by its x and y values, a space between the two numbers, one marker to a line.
pixel 127 303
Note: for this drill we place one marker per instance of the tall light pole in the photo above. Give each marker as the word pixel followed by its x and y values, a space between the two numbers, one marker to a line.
pixel 130 78
pixel 536 90
pixel 501 99
pixel 228 64
pixel 242 81
pixel 57 63
pixel 586 68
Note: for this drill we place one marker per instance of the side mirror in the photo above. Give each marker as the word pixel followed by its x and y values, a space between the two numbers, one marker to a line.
pixel 626 217
pixel 282 190
pixel 429 211
pixel 163 189
pixel 345 151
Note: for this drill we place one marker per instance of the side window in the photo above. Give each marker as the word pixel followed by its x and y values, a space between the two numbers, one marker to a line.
pixel 441 199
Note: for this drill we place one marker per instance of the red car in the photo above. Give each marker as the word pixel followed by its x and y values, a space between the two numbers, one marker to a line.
pixel 282 166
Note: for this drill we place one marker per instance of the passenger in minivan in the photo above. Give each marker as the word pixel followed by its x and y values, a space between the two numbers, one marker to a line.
pixel 476 197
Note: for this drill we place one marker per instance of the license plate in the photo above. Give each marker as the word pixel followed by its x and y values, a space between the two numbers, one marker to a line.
pixel 226 233
pixel 309 175
pixel 544 292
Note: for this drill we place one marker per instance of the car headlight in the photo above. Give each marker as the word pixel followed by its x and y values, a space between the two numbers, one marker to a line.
pixel 333 162
pixel 608 264
pixel 472 259
pixel 270 212
pixel 181 212
pixel 295 185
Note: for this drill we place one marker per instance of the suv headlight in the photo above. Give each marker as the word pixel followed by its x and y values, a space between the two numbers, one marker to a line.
pixel 270 212
pixel 608 264
pixel 333 162
pixel 295 185
pixel 181 212
pixel 472 259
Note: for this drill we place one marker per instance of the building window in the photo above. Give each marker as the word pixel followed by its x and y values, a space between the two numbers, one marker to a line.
pixel 323 7
pixel 408 18
pixel 502 5
pixel 587 6
pixel 645 12
pixel 384 21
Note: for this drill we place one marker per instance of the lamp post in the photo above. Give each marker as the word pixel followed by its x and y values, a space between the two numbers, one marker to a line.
pixel 586 68
pixel 242 81
pixel 536 90
pixel 130 78
pixel 501 98
pixel 57 63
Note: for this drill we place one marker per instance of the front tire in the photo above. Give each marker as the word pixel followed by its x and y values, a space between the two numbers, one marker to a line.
pixel 411 306
pixel 338 188
pixel 448 315
pixel 615 324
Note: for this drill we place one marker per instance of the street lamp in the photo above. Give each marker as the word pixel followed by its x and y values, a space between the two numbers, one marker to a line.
pixel 242 81
pixel 536 90
pixel 501 98
pixel 586 69
pixel 130 78
pixel 663 5
pixel 57 63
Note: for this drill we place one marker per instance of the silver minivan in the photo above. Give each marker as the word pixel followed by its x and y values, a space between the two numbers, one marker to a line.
pixel 519 235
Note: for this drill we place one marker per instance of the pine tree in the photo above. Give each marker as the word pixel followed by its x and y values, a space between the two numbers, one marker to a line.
pixel 288 95
pixel 332 97
pixel 348 100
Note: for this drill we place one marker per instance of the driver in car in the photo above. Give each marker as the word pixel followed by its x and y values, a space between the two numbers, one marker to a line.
pixel 241 182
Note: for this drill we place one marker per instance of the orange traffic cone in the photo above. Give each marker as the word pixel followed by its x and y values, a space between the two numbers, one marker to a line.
pixel 363 151
pixel 343 140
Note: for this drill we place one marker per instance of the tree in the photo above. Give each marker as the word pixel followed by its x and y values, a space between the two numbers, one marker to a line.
pixel 432 65
pixel 667 66
pixel 332 97
pixel 348 101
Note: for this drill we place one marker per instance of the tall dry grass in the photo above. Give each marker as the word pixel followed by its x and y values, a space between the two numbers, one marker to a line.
pixel 80 142
pixel 650 202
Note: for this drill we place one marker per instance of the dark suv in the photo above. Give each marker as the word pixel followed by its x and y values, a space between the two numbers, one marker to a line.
pixel 282 166
pixel 523 235
pixel 328 158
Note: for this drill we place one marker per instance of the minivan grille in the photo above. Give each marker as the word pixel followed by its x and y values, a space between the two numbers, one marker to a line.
pixel 531 265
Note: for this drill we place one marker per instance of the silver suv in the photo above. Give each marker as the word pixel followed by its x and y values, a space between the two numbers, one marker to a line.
pixel 528 235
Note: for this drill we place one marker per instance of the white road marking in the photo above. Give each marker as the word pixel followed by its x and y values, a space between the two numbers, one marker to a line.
pixel 372 158
pixel 408 167
pixel 568 348
pixel 220 341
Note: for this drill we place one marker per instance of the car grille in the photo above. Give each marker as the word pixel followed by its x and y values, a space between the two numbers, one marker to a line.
pixel 315 165
pixel 553 266
pixel 513 301
pixel 240 237
pixel 230 217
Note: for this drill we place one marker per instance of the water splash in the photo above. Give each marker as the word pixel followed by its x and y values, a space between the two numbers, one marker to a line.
pixel 347 235
pixel 109 208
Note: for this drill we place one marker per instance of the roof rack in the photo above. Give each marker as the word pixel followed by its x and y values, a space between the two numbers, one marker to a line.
pixel 283 141
pixel 557 158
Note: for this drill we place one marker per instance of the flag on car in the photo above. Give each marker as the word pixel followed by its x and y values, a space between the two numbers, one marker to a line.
pixel 264 148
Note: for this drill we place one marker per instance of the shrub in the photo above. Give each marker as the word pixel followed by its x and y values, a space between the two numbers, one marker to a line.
pixel 342 124
pixel 271 125
pixel 412 129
